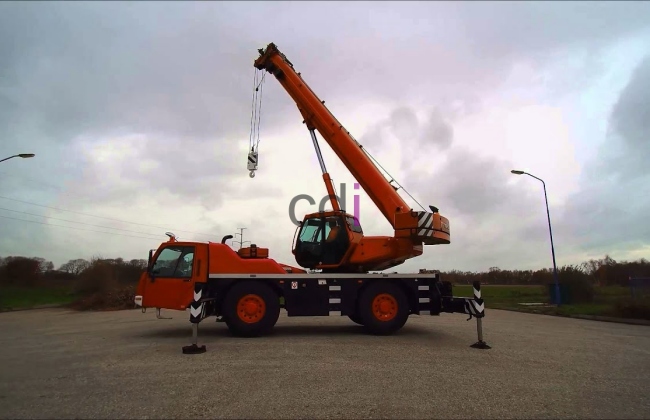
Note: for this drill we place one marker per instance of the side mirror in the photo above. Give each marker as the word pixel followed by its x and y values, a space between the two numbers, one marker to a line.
pixel 149 261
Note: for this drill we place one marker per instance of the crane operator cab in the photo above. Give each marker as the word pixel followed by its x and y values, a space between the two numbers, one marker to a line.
pixel 324 238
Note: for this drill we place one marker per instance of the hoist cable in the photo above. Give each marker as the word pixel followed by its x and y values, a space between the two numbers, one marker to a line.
pixel 391 177
pixel 259 111
pixel 251 135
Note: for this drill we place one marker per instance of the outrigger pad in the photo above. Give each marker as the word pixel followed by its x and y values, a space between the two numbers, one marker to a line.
pixel 481 345
pixel 194 349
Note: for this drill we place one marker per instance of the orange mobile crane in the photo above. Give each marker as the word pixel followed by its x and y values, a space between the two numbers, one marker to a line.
pixel 247 289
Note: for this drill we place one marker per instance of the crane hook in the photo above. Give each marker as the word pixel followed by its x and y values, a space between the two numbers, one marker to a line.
pixel 252 163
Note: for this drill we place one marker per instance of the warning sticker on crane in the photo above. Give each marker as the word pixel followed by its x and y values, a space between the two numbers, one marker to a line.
pixel 294 284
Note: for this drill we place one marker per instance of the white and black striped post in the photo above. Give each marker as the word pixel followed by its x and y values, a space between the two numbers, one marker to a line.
pixel 196 315
pixel 478 306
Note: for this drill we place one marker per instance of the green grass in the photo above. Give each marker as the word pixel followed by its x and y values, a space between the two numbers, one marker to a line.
pixel 607 300
pixel 20 298
pixel 498 294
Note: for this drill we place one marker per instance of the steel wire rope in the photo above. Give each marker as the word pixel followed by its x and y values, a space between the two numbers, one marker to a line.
pixel 103 217
pixel 80 223
pixel 75 228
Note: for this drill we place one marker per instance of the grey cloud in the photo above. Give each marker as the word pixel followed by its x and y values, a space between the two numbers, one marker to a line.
pixel 432 135
pixel 172 71
pixel 470 185
pixel 612 204
pixel 406 127
pixel 97 66
pixel 374 136
pixel 404 124
pixel 630 123
pixel 438 131
pixel 518 29
pixel 194 171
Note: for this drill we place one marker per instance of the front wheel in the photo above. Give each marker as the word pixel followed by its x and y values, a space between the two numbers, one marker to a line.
pixel 383 308
pixel 251 309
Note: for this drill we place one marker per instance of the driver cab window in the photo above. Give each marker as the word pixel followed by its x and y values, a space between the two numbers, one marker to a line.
pixel 174 261
pixel 332 228
pixel 310 230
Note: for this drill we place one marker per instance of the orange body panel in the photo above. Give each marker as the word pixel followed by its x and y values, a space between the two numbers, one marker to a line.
pixel 224 259
pixel 382 252
pixel 174 292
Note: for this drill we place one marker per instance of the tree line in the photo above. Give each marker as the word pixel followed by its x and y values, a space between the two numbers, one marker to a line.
pixel 598 272
pixel 99 274
pixel 83 276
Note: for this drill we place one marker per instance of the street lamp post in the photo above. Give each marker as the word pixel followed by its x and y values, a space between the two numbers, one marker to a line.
pixel 21 155
pixel 550 230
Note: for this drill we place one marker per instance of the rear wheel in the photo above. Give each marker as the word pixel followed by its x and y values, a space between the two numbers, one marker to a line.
pixel 251 309
pixel 383 308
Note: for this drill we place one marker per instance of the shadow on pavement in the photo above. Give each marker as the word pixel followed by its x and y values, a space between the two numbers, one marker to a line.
pixel 210 328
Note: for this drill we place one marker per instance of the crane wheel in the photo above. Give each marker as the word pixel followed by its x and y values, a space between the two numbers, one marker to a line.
pixel 383 308
pixel 251 309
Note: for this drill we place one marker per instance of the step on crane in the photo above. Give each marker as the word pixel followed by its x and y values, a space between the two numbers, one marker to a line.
pixel 337 275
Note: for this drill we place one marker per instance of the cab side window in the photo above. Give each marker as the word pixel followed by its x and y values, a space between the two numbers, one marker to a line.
pixel 174 261
pixel 185 264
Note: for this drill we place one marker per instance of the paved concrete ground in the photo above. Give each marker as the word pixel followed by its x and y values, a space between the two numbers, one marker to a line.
pixel 61 364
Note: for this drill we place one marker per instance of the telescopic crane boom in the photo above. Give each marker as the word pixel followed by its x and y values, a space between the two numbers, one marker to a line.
pixel 333 240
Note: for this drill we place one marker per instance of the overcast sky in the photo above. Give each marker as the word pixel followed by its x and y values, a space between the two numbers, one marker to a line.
pixel 139 116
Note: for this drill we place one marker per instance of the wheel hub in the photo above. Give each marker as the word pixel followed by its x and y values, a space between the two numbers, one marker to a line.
pixel 384 307
pixel 251 309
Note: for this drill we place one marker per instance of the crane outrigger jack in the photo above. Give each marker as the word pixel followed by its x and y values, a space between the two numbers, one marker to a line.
pixel 338 263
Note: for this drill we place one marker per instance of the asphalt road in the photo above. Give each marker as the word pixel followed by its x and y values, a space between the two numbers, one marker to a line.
pixel 62 364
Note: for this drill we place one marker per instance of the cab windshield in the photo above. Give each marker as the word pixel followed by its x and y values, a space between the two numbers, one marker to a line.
pixel 174 261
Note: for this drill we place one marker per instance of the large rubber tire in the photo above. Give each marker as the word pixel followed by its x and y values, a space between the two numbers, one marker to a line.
pixel 383 308
pixel 251 309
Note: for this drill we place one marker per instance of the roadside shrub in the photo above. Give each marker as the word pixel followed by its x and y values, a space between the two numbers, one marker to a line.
pixel 104 275
pixel 577 284
pixel 57 278
pixel 115 299
pixel 20 271
pixel 632 308
pixel 99 277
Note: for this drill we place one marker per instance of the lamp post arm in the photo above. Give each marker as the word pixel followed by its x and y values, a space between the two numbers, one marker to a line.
pixel 7 158
pixel 539 179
